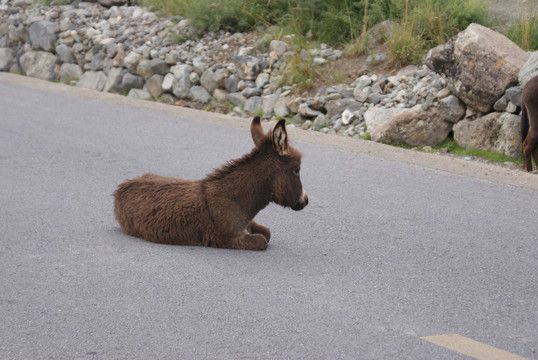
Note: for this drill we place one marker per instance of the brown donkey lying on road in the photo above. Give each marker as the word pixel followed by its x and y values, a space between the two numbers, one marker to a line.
pixel 217 211
pixel 529 122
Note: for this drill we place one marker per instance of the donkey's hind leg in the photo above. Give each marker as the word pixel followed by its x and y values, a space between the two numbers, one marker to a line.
pixel 255 228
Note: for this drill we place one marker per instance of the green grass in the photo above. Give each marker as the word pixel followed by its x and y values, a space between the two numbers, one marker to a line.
pixel 525 33
pixel 330 21
pixel 452 147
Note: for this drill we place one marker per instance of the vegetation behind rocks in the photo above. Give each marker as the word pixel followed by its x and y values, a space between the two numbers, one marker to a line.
pixel 422 24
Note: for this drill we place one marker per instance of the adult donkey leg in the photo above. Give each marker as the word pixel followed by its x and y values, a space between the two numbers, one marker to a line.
pixel 530 145
pixel 255 228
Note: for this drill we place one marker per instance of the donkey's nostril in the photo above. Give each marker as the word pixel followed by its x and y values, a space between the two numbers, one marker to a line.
pixel 301 204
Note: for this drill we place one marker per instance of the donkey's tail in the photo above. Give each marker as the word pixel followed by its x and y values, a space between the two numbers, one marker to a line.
pixel 524 123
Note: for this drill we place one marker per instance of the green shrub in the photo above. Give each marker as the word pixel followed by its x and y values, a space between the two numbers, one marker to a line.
pixel 330 21
pixel 405 46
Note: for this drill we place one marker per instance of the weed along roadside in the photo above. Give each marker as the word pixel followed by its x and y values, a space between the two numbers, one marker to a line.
pixel 374 85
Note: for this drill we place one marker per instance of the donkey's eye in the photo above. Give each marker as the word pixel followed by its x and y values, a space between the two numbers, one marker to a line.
pixel 297 171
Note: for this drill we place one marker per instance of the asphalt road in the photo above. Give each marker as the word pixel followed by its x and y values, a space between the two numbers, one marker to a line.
pixel 394 246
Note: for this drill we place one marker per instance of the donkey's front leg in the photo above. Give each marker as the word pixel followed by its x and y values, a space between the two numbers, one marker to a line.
pixel 254 228
pixel 243 241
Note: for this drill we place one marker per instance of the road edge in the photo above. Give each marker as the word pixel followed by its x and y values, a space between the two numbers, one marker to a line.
pixel 435 162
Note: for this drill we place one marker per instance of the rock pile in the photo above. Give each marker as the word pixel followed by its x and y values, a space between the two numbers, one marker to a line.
pixel 129 49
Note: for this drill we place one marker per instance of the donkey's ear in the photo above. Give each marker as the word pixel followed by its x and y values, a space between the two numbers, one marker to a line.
pixel 280 138
pixel 256 131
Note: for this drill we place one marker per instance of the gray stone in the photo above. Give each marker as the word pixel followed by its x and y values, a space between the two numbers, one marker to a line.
pixel 200 64
pixel 131 81
pixel 501 104
pixel 220 95
pixel 172 57
pixel 181 86
pixel 360 95
pixel 70 72
pixel 7 58
pixel 144 69
pixel 94 80
pixel 248 67
pixel 375 98
pixel 168 82
pixel 65 53
pixel 213 79
pixel 268 105
pixel 114 79
pixel 347 117
pixel 280 47
pixel 376 116
pixel 154 85
pixel 182 69
pixel 39 64
pixel 97 62
pixel 443 93
pixel 336 107
pixel 514 95
pixel 236 98
pixel 110 3
pixel 139 94
pixel 159 66
pixel 232 84
pixel 43 35
pixel 131 61
pixel 200 94
pixel 251 91
pixel 307 112
pixel 253 104
pixel 281 109
pixel 451 109
pixel 320 121
pixel 261 80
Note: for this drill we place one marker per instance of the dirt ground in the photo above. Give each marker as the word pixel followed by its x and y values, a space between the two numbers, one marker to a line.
pixel 508 11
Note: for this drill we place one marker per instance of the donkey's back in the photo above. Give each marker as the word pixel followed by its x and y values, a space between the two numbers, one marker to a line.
pixel 162 209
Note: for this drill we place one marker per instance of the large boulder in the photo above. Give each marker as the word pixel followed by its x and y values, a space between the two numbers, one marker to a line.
pixel 39 64
pixel 43 35
pixel 479 64
pixel 492 132
pixel 529 69
pixel 414 127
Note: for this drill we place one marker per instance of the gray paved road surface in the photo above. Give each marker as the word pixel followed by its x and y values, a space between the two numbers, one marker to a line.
pixel 387 252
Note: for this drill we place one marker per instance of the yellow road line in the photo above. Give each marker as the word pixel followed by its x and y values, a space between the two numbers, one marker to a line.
pixel 470 347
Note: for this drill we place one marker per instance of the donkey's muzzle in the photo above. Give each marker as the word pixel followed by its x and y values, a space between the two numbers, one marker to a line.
pixel 302 203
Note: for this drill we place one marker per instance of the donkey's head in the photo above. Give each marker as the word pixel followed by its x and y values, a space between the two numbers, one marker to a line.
pixel 283 162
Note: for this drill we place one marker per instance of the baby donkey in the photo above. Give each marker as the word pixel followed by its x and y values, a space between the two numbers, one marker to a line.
pixel 216 211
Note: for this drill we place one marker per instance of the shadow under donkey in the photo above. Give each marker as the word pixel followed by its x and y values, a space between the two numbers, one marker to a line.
pixel 217 211
pixel 529 122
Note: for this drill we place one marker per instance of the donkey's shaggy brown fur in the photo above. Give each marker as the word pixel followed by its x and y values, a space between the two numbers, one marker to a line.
pixel 529 122
pixel 217 211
